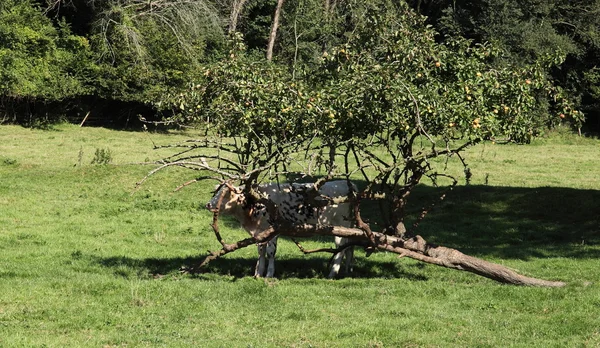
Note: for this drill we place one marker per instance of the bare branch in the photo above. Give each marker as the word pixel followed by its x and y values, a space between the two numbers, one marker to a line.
pixel 328 250
pixel 188 164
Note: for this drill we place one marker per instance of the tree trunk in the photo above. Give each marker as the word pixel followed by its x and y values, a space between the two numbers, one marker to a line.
pixel 329 8
pixel 274 28
pixel 238 6
pixel 417 248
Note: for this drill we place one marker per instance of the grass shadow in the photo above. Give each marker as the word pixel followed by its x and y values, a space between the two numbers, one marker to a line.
pixel 482 221
pixel 236 267
pixel 509 222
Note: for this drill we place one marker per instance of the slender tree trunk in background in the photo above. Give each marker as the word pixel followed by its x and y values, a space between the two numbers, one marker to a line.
pixel 329 8
pixel 273 34
pixel 238 6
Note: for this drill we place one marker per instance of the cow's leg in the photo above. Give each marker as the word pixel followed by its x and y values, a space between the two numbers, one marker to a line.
pixel 271 251
pixel 337 258
pixel 349 259
pixel 259 270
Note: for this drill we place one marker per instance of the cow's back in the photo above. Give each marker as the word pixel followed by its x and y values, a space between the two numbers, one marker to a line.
pixel 289 199
pixel 336 214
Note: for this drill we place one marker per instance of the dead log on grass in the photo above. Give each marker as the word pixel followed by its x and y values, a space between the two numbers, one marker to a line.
pixel 415 248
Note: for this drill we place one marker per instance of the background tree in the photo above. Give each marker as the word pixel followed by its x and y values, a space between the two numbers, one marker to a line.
pixel 40 61
pixel 123 54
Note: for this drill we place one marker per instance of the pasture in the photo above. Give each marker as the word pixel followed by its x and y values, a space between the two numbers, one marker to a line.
pixel 88 260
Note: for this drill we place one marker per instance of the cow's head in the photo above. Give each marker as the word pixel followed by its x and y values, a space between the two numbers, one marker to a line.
pixel 226 198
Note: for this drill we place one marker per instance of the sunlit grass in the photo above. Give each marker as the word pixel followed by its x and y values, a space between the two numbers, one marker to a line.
pixel 88 259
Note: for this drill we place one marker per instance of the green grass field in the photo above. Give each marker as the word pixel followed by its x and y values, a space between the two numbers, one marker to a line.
pixel 89 261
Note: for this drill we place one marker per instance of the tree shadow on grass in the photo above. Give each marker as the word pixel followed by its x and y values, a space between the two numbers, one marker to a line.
pixel 514 223
pixel 236 267
pixel 482 221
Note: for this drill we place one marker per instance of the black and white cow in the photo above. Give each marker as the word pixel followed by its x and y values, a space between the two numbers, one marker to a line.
pixel 290 202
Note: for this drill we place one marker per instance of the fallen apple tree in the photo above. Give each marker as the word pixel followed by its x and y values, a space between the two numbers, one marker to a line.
pixel 390 108
pixel 415 248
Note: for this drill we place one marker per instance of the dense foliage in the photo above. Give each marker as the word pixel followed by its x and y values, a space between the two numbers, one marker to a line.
pixel 39 59
pixel 109 51
pixel 64 52
pixel 528 30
